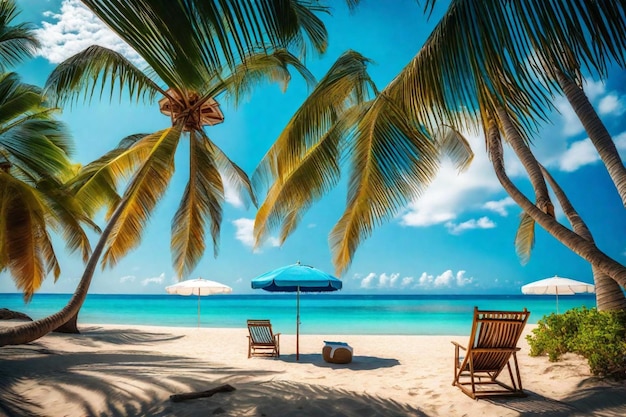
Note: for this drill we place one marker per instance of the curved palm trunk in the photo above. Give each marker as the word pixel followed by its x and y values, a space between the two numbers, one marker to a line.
pixel 582 247
pixel 529 162
pixel 30 331
pixel 71 326
pixel 609 295
pixel 597 132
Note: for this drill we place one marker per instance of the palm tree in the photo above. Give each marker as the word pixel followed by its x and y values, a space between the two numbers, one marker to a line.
pixel 218 48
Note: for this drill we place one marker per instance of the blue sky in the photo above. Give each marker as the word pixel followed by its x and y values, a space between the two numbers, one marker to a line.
pixel 457 239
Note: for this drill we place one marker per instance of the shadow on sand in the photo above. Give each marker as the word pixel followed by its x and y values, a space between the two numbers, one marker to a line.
pixel 358 363
pixel 609 401
pixel 114 383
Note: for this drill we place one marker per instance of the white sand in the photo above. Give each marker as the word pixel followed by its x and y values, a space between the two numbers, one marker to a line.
pixel 131 371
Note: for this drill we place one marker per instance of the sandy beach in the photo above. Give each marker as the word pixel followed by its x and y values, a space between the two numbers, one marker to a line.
pixel 132 371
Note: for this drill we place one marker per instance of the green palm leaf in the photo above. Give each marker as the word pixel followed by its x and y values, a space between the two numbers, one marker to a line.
pixel 260 68
pixel 294 192
pixel 453 144
pixel 304 161
pixel 144 190
pixel 68 215
pixel 233 175
pixel 392 161
pixel 25 247
pixel 17 42
pixel 201 202
pixel 525 238
pixel 80 75
pixel 97 183
pixel 345 84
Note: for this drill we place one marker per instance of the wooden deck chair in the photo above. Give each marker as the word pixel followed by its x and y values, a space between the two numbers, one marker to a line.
pixel 492 346
pixel 261 340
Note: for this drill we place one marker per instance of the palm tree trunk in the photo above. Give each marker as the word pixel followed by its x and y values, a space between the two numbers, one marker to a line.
pixel 609 295
pixel 70 326
pixel 597 132
pixel 28 332
pixel 529 162
pixel 582 247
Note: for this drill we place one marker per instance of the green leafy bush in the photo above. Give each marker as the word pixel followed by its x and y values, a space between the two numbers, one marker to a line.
pixel 599 336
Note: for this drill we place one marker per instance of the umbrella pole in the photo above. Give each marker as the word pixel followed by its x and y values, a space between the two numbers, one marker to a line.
pixel 557 300
pixel 298 324
pixel 198 308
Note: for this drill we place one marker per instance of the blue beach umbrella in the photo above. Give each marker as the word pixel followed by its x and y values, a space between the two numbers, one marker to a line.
pixel 296 278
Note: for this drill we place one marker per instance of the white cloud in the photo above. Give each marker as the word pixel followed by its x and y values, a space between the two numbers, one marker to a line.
pixel 461 280
pixel 452 192
pixel 500 206
pixel 447 279
pixel 127 278
pixel 391 281
pixel 482 223
pixel 74 29
pixel 245 229
pixel 444 280
pixel 594 89
pixel 231 195
pixel 578 154
pixel 367 282
pixel 407 282
pixel 611 104
pixel 425 279
pixel 245 233
pixel 384 281
pixel 154 280
pixel 571 123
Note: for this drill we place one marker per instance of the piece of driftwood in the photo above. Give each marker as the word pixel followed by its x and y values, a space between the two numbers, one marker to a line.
pixel 199 394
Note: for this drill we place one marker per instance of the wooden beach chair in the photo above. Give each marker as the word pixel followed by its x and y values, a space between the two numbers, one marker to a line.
pixel 261 340
pixel 492 346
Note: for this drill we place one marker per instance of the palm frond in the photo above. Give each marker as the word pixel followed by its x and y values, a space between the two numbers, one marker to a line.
pixel 186 42
pixel 17 42
pixel 316 173
pixel 144 191
pixel 67 214
pixel 260 68
pixel 16 98
pixel 565 35
pixel 201 203
pixel 233 175
pixel 392 161
pixel 98 67
pixel 345 84
pixel 453 144
pixel 96 184
pixel 311 25
pixel 37 147
pixel 525 238
pixel 23 236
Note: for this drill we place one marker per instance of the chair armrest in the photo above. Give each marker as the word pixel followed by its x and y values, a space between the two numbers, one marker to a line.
pixel 458 346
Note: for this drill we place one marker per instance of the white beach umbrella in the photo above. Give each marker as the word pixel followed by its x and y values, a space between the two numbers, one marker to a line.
pixel 198 286
pixel 557 286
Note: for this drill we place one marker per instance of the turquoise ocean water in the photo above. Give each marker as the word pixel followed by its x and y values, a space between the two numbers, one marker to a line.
pixel 319 313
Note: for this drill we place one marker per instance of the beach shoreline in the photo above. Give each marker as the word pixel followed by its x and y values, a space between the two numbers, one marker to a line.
pixel 133 370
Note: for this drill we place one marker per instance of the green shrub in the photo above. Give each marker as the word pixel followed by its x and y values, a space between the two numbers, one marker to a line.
pixel 599 336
